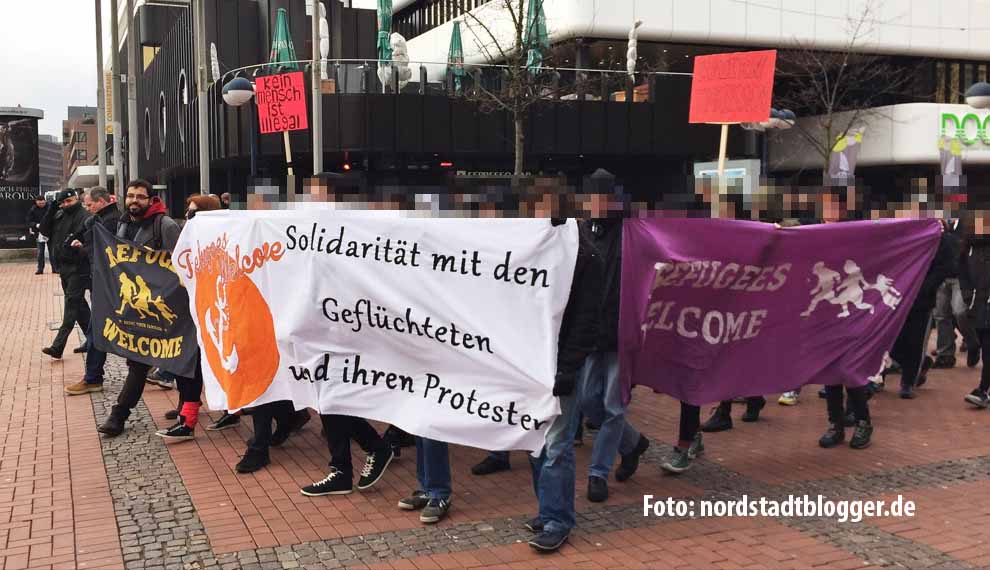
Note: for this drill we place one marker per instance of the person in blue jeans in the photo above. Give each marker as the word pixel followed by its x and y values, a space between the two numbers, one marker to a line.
pixel 433 477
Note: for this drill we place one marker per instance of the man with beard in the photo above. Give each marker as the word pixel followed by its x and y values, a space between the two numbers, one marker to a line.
pixel 60 225
pixel 98 202
pixel 147 225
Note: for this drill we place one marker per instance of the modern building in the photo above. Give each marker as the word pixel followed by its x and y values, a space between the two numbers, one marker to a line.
pixel 50 163
pixel 80 140
pixel 435 131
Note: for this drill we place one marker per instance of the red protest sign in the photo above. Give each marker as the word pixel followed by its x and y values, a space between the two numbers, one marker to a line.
pixel 281 101
pixel 732 87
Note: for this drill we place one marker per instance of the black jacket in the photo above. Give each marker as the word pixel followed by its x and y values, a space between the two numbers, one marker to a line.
pixel 61 227
pixel 974 280
pixel 606 234
pixel 34 217
pixel 108 217
pixel 579 327
pixel 946 259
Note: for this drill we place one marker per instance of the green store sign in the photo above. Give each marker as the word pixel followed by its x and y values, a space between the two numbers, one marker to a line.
pixel 970 128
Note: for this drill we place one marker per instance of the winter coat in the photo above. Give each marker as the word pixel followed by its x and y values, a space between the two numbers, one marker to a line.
pixel 579 326
pixel 974 280
pixel 606 234
pixel 34 217
pixel 62 226
pixel 157 231
pixel 940 269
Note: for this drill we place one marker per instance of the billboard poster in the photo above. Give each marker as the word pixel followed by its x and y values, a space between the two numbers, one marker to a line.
pixel 19 172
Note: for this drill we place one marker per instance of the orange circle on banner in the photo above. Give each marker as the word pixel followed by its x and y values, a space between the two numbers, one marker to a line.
pixel 237 329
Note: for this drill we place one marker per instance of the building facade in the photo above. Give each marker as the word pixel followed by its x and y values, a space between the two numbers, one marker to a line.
pixel 50 163
pixel 80 140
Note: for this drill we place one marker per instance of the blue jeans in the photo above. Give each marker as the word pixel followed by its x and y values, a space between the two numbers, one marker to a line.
pixel 554 470
pixel 601 397
pixel 95 359
pixel 433 468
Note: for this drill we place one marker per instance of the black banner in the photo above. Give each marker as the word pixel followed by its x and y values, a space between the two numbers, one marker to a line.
pixel 140 309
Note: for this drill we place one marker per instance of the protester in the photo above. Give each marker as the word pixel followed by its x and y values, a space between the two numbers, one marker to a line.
pixel 950 309
pixel 974 279
pixel 910 348
pixel 34 217
pixel 190 389
pixel 61 226
pixel 286 421
pixel 147 225
pixel 97 201
pixel 600 374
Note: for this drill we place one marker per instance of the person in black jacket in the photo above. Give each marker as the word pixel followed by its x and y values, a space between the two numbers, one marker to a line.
pixel 147 225
pixel 950 309
pixel 97 201
pixel 34 217
pixel 974 279
pixel 600 386
pixel 61 225
pixel 912 342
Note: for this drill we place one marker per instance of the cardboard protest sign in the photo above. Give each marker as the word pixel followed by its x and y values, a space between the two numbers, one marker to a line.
pixel 445 328
pixel 732 87
pixel 140 310
pixel 281 101
pixel 715 309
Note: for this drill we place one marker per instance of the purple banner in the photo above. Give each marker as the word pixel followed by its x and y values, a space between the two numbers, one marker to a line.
pixel 715 309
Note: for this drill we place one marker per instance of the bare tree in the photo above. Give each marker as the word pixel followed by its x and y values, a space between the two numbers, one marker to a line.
pixel 523 83
pixel 840 89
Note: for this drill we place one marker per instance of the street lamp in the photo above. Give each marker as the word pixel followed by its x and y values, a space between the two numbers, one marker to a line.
pixel 237 92
pixel 978 95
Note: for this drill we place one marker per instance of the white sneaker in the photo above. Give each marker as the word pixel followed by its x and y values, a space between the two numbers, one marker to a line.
pixel 788 398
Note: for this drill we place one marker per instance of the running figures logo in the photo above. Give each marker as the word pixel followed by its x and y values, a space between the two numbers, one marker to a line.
pixel 849 289
pixel 137 295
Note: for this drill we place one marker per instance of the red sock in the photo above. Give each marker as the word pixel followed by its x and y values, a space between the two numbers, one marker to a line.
pixel 190 413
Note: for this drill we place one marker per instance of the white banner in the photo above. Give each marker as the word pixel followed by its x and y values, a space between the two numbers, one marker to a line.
pixel 445 328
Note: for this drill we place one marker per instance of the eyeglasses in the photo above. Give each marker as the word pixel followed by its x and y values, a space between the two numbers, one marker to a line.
pixel 137 197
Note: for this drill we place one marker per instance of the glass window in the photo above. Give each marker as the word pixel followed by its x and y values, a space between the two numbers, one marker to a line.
pixel 80 137
pixel 81 154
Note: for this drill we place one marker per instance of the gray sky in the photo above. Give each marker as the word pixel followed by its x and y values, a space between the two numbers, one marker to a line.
pixel 49 55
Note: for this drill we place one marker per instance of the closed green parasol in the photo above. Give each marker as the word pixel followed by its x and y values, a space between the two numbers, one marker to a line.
pixel 282 52
pixel 455 56
pixel 384 30
pixel 536 40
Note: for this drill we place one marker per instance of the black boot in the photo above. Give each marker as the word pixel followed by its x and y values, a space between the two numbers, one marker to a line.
pixel 252 461
pixel 753 407
pixel 834 435
pixel 720 419
pixel 114 424
pixel 861 437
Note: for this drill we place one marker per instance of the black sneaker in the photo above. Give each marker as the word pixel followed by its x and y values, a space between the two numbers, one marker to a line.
pixel 375 465
pixel 630 462
pixel 549 541
pixel 597 489
pixel 534 525
pixel 113 426
pixel 281 436
pixel 174 414
pixel 83 349
pixel 178 432
pixel 418 500
pixel 435 511
pixel 226 421
pixel 833 436
pixel 57 355
pixel 907 393
pixel 252 461
pixel 861 436
pixel 753 408
pixel 720 420
pixel 335 483
pixel 978 398
pixel 973 357
pixel 490 465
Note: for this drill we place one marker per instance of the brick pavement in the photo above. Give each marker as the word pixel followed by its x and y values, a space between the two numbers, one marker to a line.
pixel 69 499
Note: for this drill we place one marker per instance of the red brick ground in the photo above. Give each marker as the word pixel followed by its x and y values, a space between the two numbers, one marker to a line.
pixel 55 505
pixel 56 510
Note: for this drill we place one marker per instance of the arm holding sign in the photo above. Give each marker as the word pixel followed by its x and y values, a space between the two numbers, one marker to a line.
pixel 579 328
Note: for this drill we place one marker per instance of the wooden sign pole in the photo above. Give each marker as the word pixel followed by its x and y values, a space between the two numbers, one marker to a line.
pixel 723 144
pixel 291 178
